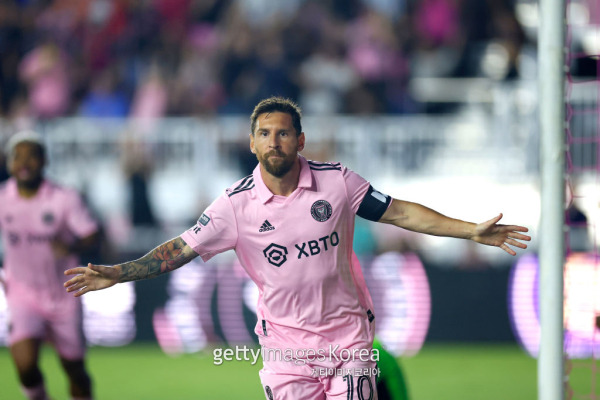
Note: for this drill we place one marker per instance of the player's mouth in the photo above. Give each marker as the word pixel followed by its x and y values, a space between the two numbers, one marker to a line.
pixel 277 155
pixel 24 173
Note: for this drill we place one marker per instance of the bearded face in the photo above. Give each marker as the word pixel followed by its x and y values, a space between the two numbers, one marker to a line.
pixel 276 162
pixel 26 164
pixel 276 143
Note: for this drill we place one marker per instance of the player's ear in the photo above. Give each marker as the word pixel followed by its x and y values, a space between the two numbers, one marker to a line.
pixel 252 144
pixel 301 141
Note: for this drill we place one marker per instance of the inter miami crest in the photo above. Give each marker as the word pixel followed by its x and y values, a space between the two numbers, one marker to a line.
pixel 48 218
pixel 321 210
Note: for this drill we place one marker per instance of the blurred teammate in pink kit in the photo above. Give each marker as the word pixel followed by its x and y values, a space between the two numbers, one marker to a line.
pixel 291 225
pixel 44 228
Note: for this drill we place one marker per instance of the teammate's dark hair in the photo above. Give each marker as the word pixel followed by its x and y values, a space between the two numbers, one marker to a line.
pixel 278 104
pixel 41 149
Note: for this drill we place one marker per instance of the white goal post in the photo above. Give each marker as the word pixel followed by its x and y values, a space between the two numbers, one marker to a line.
pixel 551 82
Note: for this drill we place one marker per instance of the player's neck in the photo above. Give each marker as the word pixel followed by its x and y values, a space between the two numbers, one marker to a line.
pixel 29 189
pixel 285 185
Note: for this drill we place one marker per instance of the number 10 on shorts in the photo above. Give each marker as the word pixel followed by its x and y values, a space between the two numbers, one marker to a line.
pixel 364 387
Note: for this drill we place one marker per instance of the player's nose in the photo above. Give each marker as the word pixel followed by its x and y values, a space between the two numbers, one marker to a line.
pixel 274 141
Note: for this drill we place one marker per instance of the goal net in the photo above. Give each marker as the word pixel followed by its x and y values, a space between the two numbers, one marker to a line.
pixel 582 267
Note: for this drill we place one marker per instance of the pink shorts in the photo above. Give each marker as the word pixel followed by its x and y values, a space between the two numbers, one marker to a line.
pixel 59 322
pixel 314 380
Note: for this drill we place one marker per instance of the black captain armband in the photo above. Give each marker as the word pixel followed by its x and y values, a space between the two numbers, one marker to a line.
pixel 373 205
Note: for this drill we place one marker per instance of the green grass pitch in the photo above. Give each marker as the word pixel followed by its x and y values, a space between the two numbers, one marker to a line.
pixel 143 371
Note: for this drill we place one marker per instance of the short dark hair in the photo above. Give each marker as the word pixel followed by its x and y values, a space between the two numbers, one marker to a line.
pixel 278 104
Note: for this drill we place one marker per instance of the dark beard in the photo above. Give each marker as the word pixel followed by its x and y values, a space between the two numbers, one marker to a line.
pixel 278 170
pixel 31 184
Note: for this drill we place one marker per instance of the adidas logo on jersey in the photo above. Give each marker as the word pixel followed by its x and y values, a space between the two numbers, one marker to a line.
pixel 266 226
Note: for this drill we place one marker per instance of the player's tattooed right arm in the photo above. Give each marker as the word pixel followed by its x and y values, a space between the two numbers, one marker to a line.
pixel 164 258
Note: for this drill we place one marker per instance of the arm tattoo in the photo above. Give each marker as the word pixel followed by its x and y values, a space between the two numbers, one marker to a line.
pixel 164 258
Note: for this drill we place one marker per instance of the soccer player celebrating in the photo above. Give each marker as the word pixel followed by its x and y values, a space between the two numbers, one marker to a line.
pixel 44 227
pixel 291 224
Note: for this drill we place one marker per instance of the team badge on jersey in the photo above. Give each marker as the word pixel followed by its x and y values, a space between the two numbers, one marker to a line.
pixel 321 210
pixel 48 218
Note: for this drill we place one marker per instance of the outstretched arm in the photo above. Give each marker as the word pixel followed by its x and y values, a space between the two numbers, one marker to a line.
pixel 418 218
pixel 164 258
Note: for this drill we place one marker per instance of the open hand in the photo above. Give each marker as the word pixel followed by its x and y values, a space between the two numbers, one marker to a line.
pixel 493 234
pixel 90 278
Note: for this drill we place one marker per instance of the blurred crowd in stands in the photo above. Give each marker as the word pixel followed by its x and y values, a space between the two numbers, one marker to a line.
pixel 151 58
pixel 156 58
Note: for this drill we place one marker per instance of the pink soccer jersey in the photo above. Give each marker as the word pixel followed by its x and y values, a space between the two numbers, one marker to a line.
pixel 28 226
pixel 298 250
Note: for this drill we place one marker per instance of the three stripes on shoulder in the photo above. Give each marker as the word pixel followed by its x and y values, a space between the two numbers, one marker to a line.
pixel 248 182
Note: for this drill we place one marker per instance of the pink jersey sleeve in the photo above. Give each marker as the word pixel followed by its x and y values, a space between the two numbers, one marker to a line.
pixel 365 201
pixel 79 219
pixel 356 188
pixel 215 231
